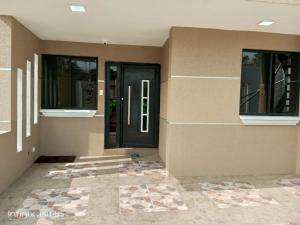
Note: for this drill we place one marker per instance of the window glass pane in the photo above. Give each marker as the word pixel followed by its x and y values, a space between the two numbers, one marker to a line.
pixel 254 85
pixel 284 83
pixel 69 82
pixel 84 84
pixel 269 83
pixel 56 83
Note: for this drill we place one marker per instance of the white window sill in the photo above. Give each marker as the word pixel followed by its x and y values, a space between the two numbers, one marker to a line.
pixel 4 131
pixel 270 120
pixel 68 113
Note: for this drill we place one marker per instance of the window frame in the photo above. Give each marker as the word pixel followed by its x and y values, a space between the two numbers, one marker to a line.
pixel 296 114
pixel 45 109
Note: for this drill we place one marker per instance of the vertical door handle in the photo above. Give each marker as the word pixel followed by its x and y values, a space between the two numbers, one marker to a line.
pixel 129 105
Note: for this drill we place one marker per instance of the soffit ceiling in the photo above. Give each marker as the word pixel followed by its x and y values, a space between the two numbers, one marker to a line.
pixel 147 22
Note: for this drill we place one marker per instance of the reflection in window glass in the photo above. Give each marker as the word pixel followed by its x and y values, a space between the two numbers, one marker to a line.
pixel 69 82
pixel 112 121
pixel 113 105
pixel 255 72
pixel 269 83
pixel 113 82
pixel 84 83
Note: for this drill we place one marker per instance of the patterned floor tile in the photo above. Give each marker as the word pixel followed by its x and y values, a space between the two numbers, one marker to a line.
pixel 60 202
pixel 149 198
pixel 288 182
pixel 235 194
pixel 167 203
pixel 239 198
pixel 128 191
pixel 135 204
pixel 294 190
pixel 141 168
pixel 290 185
pixel 162 189
pixel 71 171
pixel 70 174
pixel 221 186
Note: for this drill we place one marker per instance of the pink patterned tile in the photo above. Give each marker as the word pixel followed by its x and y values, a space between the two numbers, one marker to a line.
pixel 149 198
pixel 167 203
pixel 162 189
pixel 63 202
pixel 128 191
pixel 142 168
pixel 135 204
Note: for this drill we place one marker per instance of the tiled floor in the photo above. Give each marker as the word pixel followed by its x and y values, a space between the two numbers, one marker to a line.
pixel 116 190
pixel 141 168
pixel 235 194
pixel 149 198
pixel 56 202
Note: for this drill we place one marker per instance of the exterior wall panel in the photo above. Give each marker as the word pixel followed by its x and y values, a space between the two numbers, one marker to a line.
pixel 85 136
pixel 205 135
pixel 24 45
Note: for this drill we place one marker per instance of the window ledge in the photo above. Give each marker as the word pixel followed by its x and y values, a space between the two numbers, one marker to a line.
pixel 4 131
pixel 270 120
pixel 68 113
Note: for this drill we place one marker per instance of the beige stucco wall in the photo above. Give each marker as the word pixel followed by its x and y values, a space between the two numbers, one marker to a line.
pixel 298 152
pixel 85 136
pixel 200 130
pixel 163 125
pixel 23 47
pixel 205 135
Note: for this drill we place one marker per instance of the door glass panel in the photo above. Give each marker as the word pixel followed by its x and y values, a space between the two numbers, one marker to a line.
pixel 145 90
pixel 145 106
pixel 113 82
pixel 113 105
pixel 145 123
pixel 112 121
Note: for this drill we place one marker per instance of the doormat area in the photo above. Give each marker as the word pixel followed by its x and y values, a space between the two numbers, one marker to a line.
pixel 55 159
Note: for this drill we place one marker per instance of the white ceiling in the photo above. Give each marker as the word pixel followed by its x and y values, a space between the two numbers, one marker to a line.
pixel 147 22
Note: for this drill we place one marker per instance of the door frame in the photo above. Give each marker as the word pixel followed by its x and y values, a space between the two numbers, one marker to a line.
pixel 120 75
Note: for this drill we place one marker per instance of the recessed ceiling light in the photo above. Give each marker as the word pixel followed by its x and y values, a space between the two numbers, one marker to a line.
pixel 78 8
pixel 266 23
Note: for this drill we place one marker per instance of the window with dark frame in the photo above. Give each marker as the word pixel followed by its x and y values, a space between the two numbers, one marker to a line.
pixel 69 82
pixel 269 83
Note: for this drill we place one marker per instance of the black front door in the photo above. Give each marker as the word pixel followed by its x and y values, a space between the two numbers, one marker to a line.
pixel 132 105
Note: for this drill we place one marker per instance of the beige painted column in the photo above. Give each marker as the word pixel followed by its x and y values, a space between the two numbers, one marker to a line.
pixel 298 152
